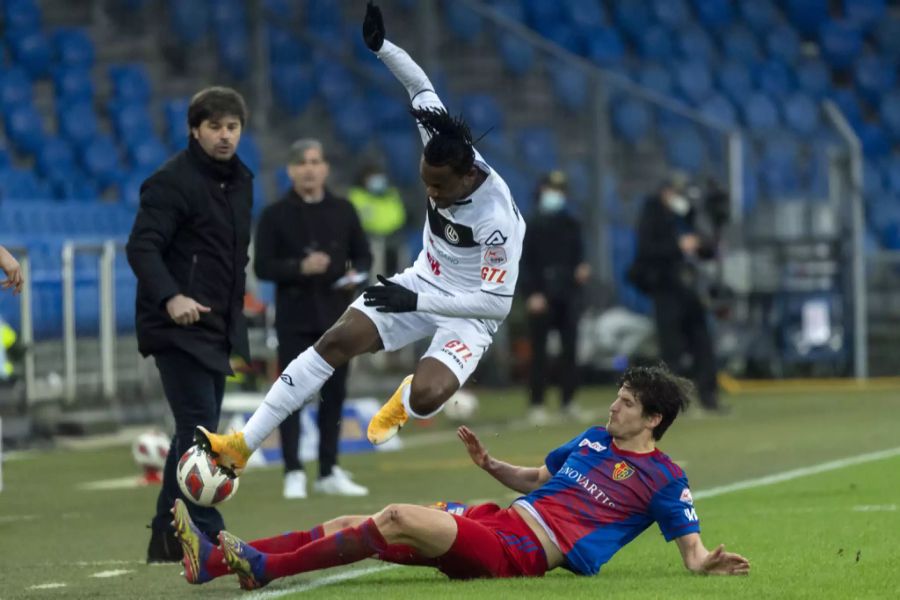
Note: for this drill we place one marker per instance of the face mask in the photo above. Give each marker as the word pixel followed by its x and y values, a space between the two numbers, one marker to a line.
pixel 376 184
pixel 679 205
pixel 552 200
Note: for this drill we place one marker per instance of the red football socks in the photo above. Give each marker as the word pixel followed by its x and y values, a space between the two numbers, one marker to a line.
pixel 279 544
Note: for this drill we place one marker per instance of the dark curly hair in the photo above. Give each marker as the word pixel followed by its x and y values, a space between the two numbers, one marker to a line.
pixel 451 140
pixel 660 392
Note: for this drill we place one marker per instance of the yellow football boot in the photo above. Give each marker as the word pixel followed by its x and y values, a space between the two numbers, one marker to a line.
pixel 229 450
pixel 390 417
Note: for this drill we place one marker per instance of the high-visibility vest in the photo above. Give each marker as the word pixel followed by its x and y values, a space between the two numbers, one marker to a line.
pixel 380 214
pixel 7 339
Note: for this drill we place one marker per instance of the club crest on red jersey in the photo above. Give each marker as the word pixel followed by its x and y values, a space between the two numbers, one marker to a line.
pixel 622 471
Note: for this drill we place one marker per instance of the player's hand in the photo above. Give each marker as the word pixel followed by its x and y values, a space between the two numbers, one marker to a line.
pixel 373 27
pixel 390 297
pixel 477 452
pixel 184 310
pixel 315 263
pixel 719 562
pixel 10 266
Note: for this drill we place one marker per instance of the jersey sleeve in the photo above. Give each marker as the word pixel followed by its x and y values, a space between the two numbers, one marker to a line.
pixel 673 510
pixel 501 249
pixel 557 458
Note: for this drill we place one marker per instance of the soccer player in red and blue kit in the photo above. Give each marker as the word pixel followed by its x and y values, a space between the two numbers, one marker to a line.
pixel 590 498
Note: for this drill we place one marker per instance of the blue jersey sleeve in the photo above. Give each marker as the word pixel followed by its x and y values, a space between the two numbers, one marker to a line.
pixel 672 508
pixel 557 458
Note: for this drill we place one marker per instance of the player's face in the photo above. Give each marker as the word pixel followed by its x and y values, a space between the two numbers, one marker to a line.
pixel 626 416
pixel 443 185
pixel 310 173
pixel 219 136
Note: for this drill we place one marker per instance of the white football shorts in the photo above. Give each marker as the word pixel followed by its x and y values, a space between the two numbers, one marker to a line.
pixel 458 343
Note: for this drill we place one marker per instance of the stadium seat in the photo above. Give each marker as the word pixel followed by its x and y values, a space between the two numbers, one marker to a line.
pixel 175 119
pixel 323 14
pixel 15 88
pixel 740 45
pixel 715 15
pixel 101 161
pixel 148 154
pixel 735 81
pixel 760 15
pixel 887 35
pixel 694 44
pixel 463 22
pixel 685 149
pixel 21 16
pixel 565 36
pixel 719 109
pixel 401 149
pixel 55 154
pixel 538 146
pixel 585 15
pixel 74 48
pixel 293 87
pixel 633 16
pixel 352 122
pixel 813 78
pixel 760 113
pixel 32 52
pixel 891 174
pixel 189 20
pixel 74 186
pixel 694 81
pixel 604 47
pixel 632 120
pixel 848 102
pixel 131 123
pixel 890 113
pixel 78 123
pixel 130 83
pixel 25 128
pixel 539 12
pixel 73 85
pixel 840 42
pixel 865 13
pixel 284 47
pixel 482 112
pixel 801 114
pixel 571 86
pixel 517 54
pixel 782 43
pixel 874 140
pixel 333 83
pixel 234 50
pixel 774 78
pixel 510 9
pixel 673 14
pixel 656 78
pixel 228 17
pixel 807 15
pixel 388 111
pixel 655 43
pixel 249 152
pixel 874 77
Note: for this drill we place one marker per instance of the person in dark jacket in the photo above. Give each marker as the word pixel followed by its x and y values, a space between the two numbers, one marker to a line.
pixel 188 249
pixel 665 268
pixel 311 243
pixel 553 273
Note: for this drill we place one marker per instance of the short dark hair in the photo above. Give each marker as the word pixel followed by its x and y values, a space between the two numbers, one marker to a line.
pixel 451 141
pixel 216 102
pixel 660 392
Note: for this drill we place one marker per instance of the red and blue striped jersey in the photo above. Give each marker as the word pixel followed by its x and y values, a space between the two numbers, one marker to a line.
pixel 600 497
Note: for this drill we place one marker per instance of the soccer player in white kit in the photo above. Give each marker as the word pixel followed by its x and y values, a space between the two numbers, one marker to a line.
pixel 458 291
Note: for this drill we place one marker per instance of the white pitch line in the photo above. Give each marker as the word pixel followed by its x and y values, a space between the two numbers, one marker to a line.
pixel 47 586
pixel 113 573
pixel 710 493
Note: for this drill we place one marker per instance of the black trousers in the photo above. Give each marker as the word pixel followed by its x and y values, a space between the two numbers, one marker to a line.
pixel 195 397
pixel 333 393
pixel 684 340
pixel 563 317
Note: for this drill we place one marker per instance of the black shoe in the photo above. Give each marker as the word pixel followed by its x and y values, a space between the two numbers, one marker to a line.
pixel 164 548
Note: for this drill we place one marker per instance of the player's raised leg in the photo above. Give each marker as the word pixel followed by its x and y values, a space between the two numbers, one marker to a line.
pixel 353 334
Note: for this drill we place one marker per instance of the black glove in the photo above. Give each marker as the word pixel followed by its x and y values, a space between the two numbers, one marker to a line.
pixel 390 297
pixel 373 27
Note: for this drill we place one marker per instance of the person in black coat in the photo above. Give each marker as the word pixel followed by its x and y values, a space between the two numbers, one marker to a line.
pixel 665 268
pixel 553 273
pixel 188 249
pixel 306 242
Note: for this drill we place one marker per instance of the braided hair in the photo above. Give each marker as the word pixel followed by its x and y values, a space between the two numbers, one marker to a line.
pixel 451 140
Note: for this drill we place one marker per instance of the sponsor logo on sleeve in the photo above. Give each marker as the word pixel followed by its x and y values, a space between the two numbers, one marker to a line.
pixel 493 274
pixel 622 471
pixel 686 496
pixel 495 256
pixel 433 263
pixel 495 239
pixel 595 446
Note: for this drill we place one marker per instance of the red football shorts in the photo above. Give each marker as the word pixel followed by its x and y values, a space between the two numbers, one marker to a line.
pixel 492 542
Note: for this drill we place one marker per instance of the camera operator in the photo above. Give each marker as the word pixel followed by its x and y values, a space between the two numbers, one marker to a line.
pixel 666 268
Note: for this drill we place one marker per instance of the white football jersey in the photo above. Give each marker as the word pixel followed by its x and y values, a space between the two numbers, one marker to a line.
pixel 475 244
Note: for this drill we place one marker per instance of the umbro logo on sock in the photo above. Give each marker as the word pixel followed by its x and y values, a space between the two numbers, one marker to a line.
pixel 287 379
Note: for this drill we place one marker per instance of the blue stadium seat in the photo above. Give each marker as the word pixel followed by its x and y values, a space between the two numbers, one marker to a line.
pixel 715 15
pixel 841 42
pixel 284 47
pixel 585 15
pixel 605 47
pixel 783 43
pixel 673 14
pixel 874 77
pixel 293 87
pixel 25 128
pixel 685 149
pixel 865 13
pixel 130 82
pixel 402 150
pixel 890 113
pixel 388 111
pixel 695 44
pixel 78 123
pixel 323 14
pixel 760 113
pixel 229 17
pixel 740 45
pixel 175 117
pixel 132 123
pixel 21 16
pixel 511 9
pixel 655 43
pixel 571 86
pixel 848 102
pixel 130 188
pixel 759 15
pixel 517 54
pixel 74 48
pixel 735 81
pixel 565 36
pixel 633 16
pixel 890 174
pixel 887 35
pixel 15 88
pixel 189 20
pixel 813 78
pixel 23 185
pixel 482 112
pixel 234 54
pixel 4 158
pixel 74 185
pixel 73 85
pixel 55 154
pixel 807 15
pixel 334 83
pixel 250 153
pixel 774 78
pixel 801 114
pixel 538 146
pixel 101 161
pixel 656 77
pixel 148 154
pixel 464 23
pixel 874 140
pixel 719 109
pixel 352 122
pixel 632 120
pixel 539 12
pixel 32 52
pixel 694 81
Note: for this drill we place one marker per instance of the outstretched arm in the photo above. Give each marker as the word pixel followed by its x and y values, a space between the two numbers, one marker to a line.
pixel 717 562
pixel 520 479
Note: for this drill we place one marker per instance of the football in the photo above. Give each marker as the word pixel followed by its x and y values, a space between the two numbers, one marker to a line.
pixel 150 450
pixel 202 481
pixel 461 406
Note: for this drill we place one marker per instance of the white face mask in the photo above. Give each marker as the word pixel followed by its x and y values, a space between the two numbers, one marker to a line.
pixel 679 204
pixel 377 184
pixel 551 200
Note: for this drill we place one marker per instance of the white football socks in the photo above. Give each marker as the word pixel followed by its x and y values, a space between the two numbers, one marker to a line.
pixel 297 386
pixel 410 411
